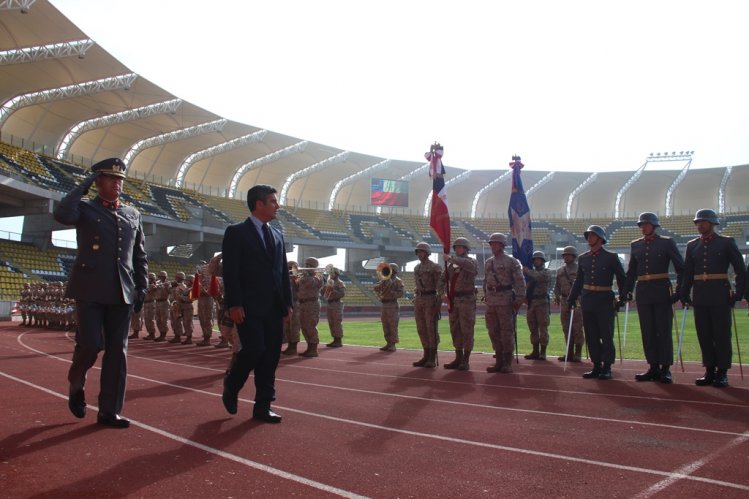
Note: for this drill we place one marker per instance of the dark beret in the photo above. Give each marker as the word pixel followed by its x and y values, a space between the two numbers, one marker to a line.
pixel 112 166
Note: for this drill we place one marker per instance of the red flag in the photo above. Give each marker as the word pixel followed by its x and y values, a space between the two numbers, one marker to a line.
pixel 213 288
pixel 439 217
pixel 195 291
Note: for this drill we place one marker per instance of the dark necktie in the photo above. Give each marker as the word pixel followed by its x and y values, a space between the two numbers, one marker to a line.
pixel 269 245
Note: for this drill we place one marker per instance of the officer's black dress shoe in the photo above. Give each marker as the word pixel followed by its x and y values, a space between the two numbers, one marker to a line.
pixel 707 379
pixel 666 377
pixel 229 398
pixel 266 415
pixel 605 373
pixel 77 403
pixel 652 374
pixel 112 420
pixel 721 379
pixel 594 373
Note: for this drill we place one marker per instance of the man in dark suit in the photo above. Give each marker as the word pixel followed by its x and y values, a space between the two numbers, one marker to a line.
pixel 650 257
pixel 596 271
pixel 705 276
pixel 108 282
pixel 257 294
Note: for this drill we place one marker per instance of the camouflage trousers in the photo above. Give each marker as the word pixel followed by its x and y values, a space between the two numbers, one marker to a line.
pixel 390 317
pixel 175 315
pixel 309 317
pixel 162 313
pixel 578 337
pixel 334 313
pixel 136 321
pixel 463 322
pixel 426 309
pixel 149 317
pixel 291 326
pixel 499 323
pixel 538 322
pixel 187 314
pixel 205 315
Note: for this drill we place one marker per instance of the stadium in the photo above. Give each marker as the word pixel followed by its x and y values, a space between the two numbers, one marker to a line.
pixel 66 102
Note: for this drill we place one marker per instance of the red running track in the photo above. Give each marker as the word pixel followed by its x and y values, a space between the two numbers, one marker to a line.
pixel 360 422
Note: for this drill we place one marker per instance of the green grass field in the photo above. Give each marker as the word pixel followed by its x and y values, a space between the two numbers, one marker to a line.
pixel 369 333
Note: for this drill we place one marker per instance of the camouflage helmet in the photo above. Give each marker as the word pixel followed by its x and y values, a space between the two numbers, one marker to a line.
pixel 708 215
pixel 423 246
pixel 311 262
pixel 649 218
pixel 394 268
pixel 597 230
pixel 151 275
pixel 163 274
pixel 179 275
pixel 462 241
pixel 569 250
pixel 292 263
pixel 539 254
pixel 189 278
pixel 498 237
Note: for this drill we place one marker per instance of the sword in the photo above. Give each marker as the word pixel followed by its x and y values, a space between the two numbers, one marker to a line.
pixel 681 335
pixel 515 327
pixel 736 334
pixel 626 319
pixel 569 337
pixel 618 334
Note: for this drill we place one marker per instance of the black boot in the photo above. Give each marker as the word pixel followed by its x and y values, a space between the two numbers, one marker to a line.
pixel 721 378
pixel 666 377
pixel 593 373
pixel 708 378
pixel 652 374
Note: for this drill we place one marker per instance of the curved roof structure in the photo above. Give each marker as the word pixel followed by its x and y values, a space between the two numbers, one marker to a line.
pixel 63 95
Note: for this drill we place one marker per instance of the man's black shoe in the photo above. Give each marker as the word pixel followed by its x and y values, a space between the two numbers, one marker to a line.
pixel 666 377
pixel 77 403
pixel 605 373
pixel 652 374
pixel 721 379
pixel 707 379
pixel 112 420
pixel 229 399
pixel 266 416
pixel 592 373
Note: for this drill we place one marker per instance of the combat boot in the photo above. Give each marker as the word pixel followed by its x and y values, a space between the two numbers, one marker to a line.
pixel 336 343
pixel 534 354
pixel 290 348
pixel 456 363
pixel 389 347
pixel 222 343
pixel 708 378
pixel 162 337
pixel 464 366
pixel 497 367
pixel 149 336
pixel 205 343
pixel 133 336
pixel 431 358
pixel 311 351
pixel 578 356
pixel 567 355
pixel 652 374
pixel 422 360
pixel 506 363
pixel 721 378
pixel 176 339
pixel 542 353
pixel 187 340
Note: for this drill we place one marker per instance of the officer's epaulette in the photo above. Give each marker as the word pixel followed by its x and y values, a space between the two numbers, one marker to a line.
pixel 693 240
pixel 636 240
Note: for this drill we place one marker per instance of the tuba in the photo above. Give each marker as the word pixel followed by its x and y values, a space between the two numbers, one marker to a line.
pixel 384 272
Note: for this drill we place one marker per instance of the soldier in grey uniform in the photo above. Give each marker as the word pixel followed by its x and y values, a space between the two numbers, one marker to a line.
pixel 539 280
pixel 161 299
pixel 430 286
pixel 504 294
pixel 596 271
pixel 706 286
pixel 108 282
pixel 310 283
pixel 461 274
pixel 149 308
pixel 562 286
pixel 291 324
pixel 333 292
pixel 175 311
pixel 650 257
pixel 389 290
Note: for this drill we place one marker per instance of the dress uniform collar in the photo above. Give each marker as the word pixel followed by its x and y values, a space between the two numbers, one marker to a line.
pixel 650 238
pixel 112 205
pixel 708 237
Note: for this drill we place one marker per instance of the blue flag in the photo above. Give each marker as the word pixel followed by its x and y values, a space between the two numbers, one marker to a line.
pixel 519 214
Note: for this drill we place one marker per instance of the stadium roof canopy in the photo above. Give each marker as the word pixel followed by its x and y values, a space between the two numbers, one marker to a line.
pixel 64 96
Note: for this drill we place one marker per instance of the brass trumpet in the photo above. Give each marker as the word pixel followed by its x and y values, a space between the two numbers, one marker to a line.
pixel 384 272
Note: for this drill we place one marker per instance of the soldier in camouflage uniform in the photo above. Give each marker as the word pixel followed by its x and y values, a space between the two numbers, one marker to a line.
pixel 175 310
pixel 161 297
pixel 388 291
pixel 149 308
pixel 333 292
pixel 186 311
pixel 461 274
pixel 291 324
pixel 25 302
pixel 562 286
pixel 504 293
pixel 205 305
pixel 430 286
pixel 136 324
pixel 539 280
pixel 310 283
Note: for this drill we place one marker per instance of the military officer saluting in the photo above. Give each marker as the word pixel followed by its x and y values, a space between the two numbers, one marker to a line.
pixel 596 271
pixel 705 277
pixel 650 257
